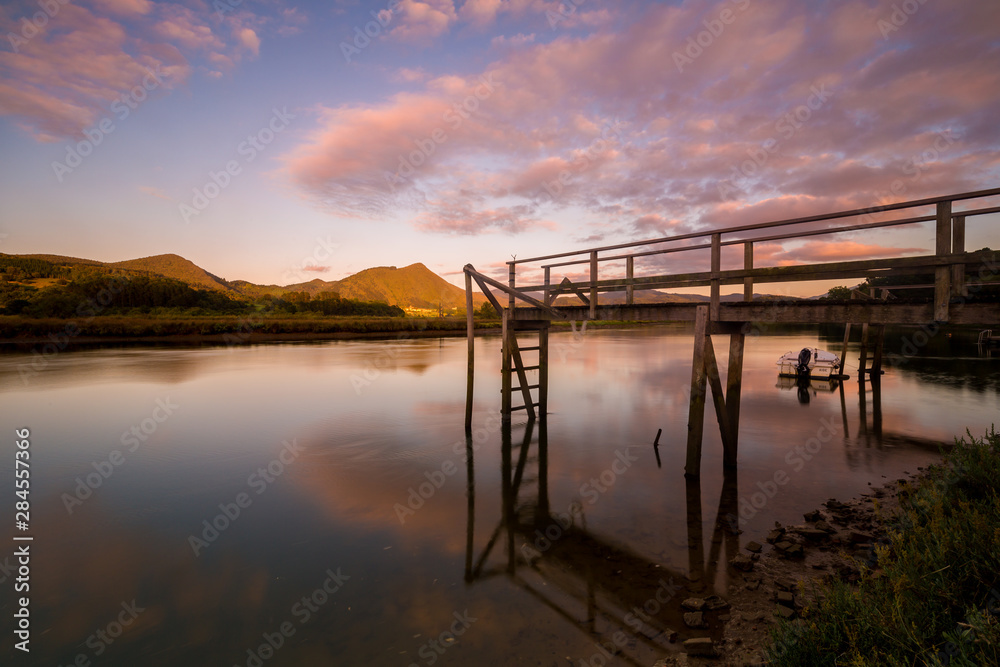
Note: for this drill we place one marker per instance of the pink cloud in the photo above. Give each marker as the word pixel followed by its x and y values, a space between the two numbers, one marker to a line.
pixel 420 22
pixel 64 79
pixel 450 218
pixel 791 110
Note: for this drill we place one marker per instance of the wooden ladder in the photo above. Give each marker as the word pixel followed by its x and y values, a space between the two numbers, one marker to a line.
pixel 519 366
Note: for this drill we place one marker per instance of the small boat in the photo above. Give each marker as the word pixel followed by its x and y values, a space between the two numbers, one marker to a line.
pixel 810 360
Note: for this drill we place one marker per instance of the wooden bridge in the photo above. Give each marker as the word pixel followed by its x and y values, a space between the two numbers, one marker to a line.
pixel 959 276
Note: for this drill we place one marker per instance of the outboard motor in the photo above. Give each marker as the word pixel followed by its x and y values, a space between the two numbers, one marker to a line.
pixel 802 367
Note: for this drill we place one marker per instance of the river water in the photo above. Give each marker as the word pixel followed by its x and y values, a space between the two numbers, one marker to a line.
pixel 316 504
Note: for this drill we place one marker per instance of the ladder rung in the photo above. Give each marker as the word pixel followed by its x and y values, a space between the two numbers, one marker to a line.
pixel 530 386
pixel 531 368
pixel 529 349
pixel 523 407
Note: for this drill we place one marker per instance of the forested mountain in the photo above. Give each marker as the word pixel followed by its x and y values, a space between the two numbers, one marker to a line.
pixel 175 282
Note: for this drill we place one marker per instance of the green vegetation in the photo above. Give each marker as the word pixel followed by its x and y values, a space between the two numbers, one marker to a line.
pixel 933 597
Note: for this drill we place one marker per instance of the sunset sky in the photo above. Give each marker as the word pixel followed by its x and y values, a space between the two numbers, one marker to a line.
pixel 279 141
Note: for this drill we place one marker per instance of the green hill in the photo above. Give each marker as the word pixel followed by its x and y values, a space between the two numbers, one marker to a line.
pixel 413 286
pixel 176 267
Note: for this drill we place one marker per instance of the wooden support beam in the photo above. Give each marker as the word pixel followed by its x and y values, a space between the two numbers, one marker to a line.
pixel 748 266
pixel 470 333
pixel 629 276
pixel 718 398
pixel 696 409
pixel 958 287
pixel 843 353
pixel 877 356
pixel 506 333
pixel 942 274
pixel 543 372
pixel 483 280
pixel 716 267
pixel 734 389
pixel 863 359
pixel 593 285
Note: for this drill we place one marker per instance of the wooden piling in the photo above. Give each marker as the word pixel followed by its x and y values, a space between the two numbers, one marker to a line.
pixel 506 332
pixel 696 409
pixel 958 287
pixel 734 389
pixel 471 335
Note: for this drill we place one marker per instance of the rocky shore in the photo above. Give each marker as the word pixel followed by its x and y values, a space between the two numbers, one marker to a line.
pixel 780 576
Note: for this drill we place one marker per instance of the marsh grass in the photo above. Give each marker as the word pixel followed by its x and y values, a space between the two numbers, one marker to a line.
pixel 931 596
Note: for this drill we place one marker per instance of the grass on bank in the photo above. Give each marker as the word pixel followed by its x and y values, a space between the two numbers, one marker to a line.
pixel 932 596
pixel 16 328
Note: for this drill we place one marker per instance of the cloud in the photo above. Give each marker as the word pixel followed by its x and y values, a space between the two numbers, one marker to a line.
pixel 410 75
pixel 792 109
pixel 448 217
pixel 64 79
pixel 154 192
pixel 421 22
pixel 312 268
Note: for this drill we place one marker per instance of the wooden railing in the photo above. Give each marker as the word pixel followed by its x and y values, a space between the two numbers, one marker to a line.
pixel 947 263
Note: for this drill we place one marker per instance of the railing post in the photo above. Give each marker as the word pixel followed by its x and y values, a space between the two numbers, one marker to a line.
pixel 545 292
pixel 593 285
pixel 747 266
pixel 958 287
pixel 942 274
pixel 629 276
pixel 510 282
pixel 716 266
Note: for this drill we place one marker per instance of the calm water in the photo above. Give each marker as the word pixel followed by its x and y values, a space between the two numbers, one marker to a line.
pixel 345 533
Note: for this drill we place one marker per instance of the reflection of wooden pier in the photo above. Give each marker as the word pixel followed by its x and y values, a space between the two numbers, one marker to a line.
pixel 602 588
pixel 958 277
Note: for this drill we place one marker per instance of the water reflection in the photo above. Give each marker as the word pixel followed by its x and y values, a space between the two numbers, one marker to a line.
pixel 624 601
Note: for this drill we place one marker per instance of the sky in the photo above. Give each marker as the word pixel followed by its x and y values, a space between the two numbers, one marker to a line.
pixel 278 141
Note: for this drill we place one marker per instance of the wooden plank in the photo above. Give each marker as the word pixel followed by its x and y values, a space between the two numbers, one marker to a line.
pixel 470 333
pixel 470 271
pixel 715 285
pixel 718 398
pixel 567 286
pixel 593 285
pixel 734 390
pixel 696 408
pixel 808 312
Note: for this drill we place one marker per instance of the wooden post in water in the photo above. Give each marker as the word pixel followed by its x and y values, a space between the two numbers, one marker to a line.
pixel 471 335
pixel 543 371
pixel 843 353
pixel 734 387
pixel 696 409
pixel 863 360
pixel 876 371
pixel 545 293
pixel 507 331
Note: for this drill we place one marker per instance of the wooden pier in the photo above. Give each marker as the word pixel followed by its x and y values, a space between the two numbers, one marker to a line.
pixel 528 309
